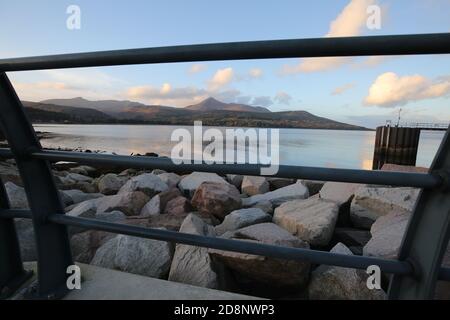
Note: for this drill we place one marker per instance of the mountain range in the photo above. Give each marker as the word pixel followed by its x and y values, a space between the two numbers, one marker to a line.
pixel 210 111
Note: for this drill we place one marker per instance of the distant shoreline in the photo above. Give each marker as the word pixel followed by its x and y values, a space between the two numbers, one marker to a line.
pixel 137 123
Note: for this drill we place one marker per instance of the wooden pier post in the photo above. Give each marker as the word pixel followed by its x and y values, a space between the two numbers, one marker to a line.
pixel 396 145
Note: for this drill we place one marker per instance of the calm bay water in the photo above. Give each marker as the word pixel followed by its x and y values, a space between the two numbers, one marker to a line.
pixel 327 148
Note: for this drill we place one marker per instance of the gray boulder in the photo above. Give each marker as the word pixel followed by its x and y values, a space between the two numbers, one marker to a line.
pixel 269 271
pixel 312 220
pixel 130 203
pixel 145 257
pixel 17 196
pixel 242 218
pixel 158 203
pixel 235 180
pixel 110 183
pixel 191 264
pixel 337 283
pixel 147 183
pixel 77 196
pixel 277 197
pixel 170 178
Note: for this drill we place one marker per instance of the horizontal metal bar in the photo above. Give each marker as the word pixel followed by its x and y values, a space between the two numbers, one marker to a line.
pixel 117 228
pixel 6 153
pixel 436 43
pixel 419 180
pixel 314 256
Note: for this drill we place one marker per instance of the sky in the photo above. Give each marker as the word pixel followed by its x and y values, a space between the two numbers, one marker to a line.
pixel 360 90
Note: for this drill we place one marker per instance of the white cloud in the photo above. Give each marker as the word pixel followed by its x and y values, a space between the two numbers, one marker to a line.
pixel 282 98
pixel 350 22
pixel 197 68
pixel 221 78
pixel 255 73
pixel 342 89
pixel 390 90
pixel 89 83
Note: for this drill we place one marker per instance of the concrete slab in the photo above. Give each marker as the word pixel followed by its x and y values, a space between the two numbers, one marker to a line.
pixel 106 284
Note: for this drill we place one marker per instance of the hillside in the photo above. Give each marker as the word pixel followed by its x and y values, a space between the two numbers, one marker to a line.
pixel 211 111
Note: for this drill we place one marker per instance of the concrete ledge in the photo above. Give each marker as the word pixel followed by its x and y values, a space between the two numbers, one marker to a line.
pixel 105 284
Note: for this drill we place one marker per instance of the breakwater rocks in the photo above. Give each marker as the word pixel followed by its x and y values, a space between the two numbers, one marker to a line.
pixel 344 218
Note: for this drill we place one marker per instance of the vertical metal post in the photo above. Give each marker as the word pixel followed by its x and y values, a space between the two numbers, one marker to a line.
pixel 427 235
pixel 12 273
pixel 52 242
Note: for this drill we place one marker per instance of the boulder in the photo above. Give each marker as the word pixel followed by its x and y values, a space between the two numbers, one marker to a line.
pixel 84 170
pixel 189 184
pixel 110 183
pixel 130 203
pixel 85 209
pixel 113 216
pixel 387 234
pixel 242 218
pixel 235 180
pixel 312 220
pixel 170 178
pixel 77 196
pixel 216 198
pixel 158 171
pixel 337 283
pixel 313 186
pixel 147 183
pixel 341 193
pixel 277 197
pixel 145 257
pixel 25 234
pixel 76 177
pixel 16 195
pixel 178 206
pixel 158 203
pixel 9 173
pixel 269 271
pixel 265 206
pixel 370 203
pixel 191 264
pixel 252 185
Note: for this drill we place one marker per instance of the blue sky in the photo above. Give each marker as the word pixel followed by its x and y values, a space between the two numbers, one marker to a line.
pixel 362 90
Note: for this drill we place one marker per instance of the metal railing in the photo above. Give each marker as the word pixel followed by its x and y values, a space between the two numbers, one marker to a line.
pixel 414 273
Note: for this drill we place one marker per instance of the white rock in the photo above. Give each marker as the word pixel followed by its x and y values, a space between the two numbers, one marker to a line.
pixel 252 185
pixel 85 209
pixel 191 182
pixel 370 203
pixel 192 265
pixel 277 197
pixel 312 220
pixel 147 183
pixel 242 218
pixel 387 234
pixel 339 192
